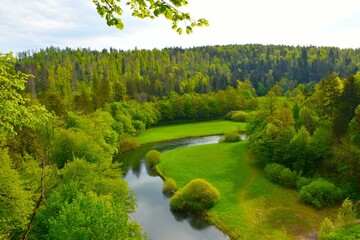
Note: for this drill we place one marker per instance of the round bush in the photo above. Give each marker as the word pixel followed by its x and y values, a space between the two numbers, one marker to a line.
pixel 153 157
pixel 239 116
pixel 320 193
pixel 230 137
pixel 169 185
pixel 273 172
pixel 197 195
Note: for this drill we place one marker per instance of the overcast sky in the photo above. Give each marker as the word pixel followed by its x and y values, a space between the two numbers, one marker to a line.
pixel 37 24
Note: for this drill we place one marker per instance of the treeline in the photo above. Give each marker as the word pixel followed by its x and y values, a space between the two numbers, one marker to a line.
pixel 89 79
pixel 313 142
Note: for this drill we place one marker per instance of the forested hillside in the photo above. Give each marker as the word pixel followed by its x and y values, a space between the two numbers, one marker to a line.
pixel 112 75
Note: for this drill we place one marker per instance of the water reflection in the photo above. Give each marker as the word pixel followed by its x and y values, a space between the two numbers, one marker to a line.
pixel 153 211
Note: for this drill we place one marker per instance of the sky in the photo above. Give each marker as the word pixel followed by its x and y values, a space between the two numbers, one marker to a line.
pixel 37 24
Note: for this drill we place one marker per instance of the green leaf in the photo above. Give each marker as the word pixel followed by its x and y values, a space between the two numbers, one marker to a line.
pixel 168 14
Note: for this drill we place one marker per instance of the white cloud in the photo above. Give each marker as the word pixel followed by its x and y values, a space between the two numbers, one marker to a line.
pixel 40 23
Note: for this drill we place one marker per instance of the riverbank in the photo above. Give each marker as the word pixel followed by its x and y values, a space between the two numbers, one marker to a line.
pixel 186 130
pixel 251 207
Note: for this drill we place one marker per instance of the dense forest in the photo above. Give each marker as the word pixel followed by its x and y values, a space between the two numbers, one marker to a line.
pixel 66 113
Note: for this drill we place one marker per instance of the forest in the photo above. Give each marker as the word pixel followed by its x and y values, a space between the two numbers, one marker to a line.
pixel 66 113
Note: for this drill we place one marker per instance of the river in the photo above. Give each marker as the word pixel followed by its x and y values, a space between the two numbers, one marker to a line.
pixel 153 212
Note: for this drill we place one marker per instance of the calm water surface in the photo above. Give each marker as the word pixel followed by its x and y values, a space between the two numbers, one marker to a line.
pixel 153 211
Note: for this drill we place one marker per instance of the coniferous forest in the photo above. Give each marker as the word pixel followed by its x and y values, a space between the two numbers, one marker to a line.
pixel 66 113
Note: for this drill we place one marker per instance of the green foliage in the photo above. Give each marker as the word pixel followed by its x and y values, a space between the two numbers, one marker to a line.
pixel 273 171
pixel 232 136
pixel 238 116
pixel 153 157
pixel 347 214
pixel 169 185
pixel 128 143
pixel 197 195
pixel 353 233
pixel 15 201
pixel 15 110
pixel 288 178
pixel 69 144
pixel 326 228
pixel 320 193
pixel 302 181
pixel 112 12
pixel 278 173
pixel 91 201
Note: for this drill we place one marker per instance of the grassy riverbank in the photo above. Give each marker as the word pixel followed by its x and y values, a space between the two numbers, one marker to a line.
pixel 250 207
pixel 193 129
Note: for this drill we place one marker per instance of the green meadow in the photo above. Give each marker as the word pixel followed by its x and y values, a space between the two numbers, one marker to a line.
pixel 251 207
pixel 193 129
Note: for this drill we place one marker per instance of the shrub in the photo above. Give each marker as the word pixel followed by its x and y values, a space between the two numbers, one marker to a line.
pixel 128 143
pixel 352 233
pixel 169 185
pixel 302 181
pixel 153 157
pixel 320 193
pixel 287 178
pixel 230 137
pixel 326 228
pixel 238 116
pixel 273 172
pixel 197 195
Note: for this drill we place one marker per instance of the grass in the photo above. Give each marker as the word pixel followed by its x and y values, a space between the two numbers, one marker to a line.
pixel 194 129
pixel 250 207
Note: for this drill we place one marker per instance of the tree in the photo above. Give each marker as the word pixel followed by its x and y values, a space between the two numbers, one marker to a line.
pixel 327 94
pixel 14 108
pixel 15 201
pixel 326 228
pixel 346 214
pixel 112 11
pixel 91 201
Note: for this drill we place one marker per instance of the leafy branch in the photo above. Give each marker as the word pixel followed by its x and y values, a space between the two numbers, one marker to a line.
pixel 112 12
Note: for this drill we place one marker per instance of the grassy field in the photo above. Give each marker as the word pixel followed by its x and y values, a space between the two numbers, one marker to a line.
pixel 194 129
pixel 251 207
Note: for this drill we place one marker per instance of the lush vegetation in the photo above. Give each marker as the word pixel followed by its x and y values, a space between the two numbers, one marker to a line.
pixel 169 186
pixel 198 195
pixel 250 206
pixel 69 112
pixel 232 136
pixel 57 176
pixel 153 157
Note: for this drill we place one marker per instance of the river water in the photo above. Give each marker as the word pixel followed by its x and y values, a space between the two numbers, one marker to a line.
pixel 153 212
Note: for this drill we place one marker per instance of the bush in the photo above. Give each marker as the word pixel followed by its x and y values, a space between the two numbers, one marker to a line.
pixel 320 193
pixel 287 178
pixel 230 137
pixel 302 181
pixel 169 185
pixel 352 233
pixel 197 195
pixel 128 143
pixel 152 158
pixel 273 172
pixel 238 116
